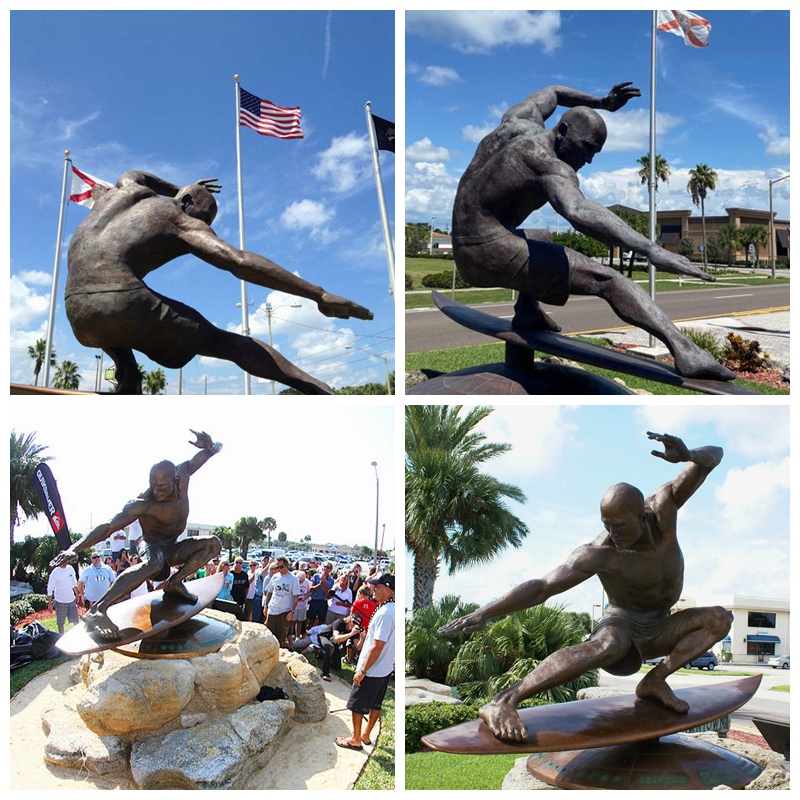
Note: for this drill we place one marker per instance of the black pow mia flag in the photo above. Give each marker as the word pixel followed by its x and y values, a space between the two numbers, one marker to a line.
pixel 50 499
pixel 384 132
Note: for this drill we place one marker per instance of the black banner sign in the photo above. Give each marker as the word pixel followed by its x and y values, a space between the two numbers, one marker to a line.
pixel 50 499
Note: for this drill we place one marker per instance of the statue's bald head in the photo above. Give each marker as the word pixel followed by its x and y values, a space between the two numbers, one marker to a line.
pixel 580 135
pixel 622 497
pixel 198 202
pixel 163 477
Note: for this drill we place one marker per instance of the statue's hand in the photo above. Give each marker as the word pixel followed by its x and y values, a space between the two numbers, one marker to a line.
pixel 469 623
pixel 68 556
pixel 675 451
pixel 332 306
pixel 619 96
pixel 205 442
pixel 210 184
pixel 680 265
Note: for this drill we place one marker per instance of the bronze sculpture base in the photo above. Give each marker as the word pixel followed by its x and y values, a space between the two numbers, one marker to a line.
pixel 195 637
pixel 673 762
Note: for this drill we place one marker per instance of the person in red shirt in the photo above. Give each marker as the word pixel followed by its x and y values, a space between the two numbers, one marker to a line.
pixel 364 605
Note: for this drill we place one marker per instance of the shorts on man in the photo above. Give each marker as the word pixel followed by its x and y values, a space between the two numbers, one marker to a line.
pixel 368 696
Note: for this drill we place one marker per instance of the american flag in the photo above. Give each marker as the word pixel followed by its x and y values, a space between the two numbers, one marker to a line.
pixel 266 118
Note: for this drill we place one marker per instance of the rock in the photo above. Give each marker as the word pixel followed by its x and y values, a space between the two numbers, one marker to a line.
pixel 301 681
pixel 428 685
pixel 415 697
pixel 20 588
pixel 125 696
pixel 220 754
pixel 72 745
pixel 520 779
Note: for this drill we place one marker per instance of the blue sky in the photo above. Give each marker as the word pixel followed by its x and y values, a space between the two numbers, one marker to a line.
pixel 726 105
pixel 734 532
pixel 262 470
pixel 154 91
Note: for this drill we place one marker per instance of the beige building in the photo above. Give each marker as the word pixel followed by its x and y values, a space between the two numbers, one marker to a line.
pixel 759 631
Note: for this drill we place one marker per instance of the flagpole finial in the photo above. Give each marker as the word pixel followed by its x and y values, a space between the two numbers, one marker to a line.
pixel 368 104
pixel 66 154
pixel 236 78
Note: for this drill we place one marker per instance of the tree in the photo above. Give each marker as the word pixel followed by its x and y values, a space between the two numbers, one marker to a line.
pixel 226 536
pixel 580 243
pixel 67 376
pixel 282 537
pixel 37 353
pixel 307 537
pixel 428 653
pixel 155 382
pixel 640 222
pixel 662 169
pixel 26 455
pixel 702 180
pixel 510 648
pixel 246 530
pixel 685 247
pixel 729 240
pixel 268 525
pixel 755 235
pixel 454 513
pixel 418 236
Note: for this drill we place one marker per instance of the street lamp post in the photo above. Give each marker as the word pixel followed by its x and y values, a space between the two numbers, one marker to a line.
pixel 377 497
pixel 270 309
pixel 374 355
pixel 772 226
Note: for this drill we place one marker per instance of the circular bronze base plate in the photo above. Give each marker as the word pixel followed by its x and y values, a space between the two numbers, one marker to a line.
pixel 195 637
pixel 672 762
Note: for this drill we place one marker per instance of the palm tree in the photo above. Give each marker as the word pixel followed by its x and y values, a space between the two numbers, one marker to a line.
pixel 246 530
pixel 428 653
pixel 268 525
pixel 662 169
pixel 454 513
pixel 225 535
pixel 67 376
pixel 729 238
pixel 702 179
pixel 155 382
pixel 283 537
pixel 755 235
pixel 37 353
pixel 510 648
pixel 26 455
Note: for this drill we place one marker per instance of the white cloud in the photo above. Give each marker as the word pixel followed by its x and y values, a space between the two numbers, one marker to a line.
pixel 345 164
pixel 26 305
pixel 313 216
pixel 424 150
pixel 747 495
pixel 630 130
pixel 480 31
pixel 434 75
pixel 474 133
pixel 429 191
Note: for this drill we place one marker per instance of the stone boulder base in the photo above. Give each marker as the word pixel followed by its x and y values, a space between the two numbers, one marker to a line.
pixel 188 723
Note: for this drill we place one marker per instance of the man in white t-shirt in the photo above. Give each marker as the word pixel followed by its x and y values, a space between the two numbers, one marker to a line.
pixel 62 588
pixel 280 599
pixel 375 666
pixel 95 581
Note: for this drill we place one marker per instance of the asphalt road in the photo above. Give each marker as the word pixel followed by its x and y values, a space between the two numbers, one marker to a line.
pixel 429 329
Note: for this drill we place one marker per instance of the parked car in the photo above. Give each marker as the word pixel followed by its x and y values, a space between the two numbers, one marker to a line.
pixel 707 661
pixel 779 661
pixel 654 661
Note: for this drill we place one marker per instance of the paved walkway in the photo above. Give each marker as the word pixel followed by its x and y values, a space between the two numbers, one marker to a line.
pixel 770 328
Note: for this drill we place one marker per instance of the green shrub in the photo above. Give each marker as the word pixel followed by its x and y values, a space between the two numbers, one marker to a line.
pixel 38 601
pixel 444 280
pixel 409 282
pixel 707 341
pixel 426 718
pixel 744 355
pixel 20 609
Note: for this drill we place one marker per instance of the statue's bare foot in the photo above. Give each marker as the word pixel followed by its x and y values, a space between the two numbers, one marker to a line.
pixel 528 315
pixel 101 625
pixel 177 591
pixel 657 689
pixel 697 363
pixel 503 721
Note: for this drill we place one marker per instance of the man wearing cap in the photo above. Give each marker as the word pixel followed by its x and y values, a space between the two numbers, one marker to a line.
pixel 280 598
pixel 62 586
pixel 375 666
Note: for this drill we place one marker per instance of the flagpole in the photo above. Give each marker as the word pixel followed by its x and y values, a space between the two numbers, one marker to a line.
pixel 376 166
pixel 652 166
pixel 56 263
pixel 245 319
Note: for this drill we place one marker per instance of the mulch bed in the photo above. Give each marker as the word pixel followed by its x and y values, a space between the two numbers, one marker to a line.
pixel 749 738
pixel 37 616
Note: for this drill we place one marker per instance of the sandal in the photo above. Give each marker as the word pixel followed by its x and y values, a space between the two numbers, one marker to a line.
pixel 346 744
pixel 367 742
pixel 327 678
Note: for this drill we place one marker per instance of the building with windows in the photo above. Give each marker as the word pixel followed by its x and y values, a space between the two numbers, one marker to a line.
pixel 759 631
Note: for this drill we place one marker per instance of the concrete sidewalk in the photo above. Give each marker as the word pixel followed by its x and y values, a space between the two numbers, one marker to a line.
pixel 770 328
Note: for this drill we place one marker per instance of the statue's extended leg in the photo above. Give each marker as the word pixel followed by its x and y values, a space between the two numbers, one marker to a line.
pixel 710 626
pixel 633 305
pixel 193 555
pixel 129 381
pixel 529 315
pixel 608 647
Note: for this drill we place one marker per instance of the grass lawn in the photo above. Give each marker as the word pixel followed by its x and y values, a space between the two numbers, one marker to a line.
pixel 784 688
pixel 462 357
pixel 448 771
